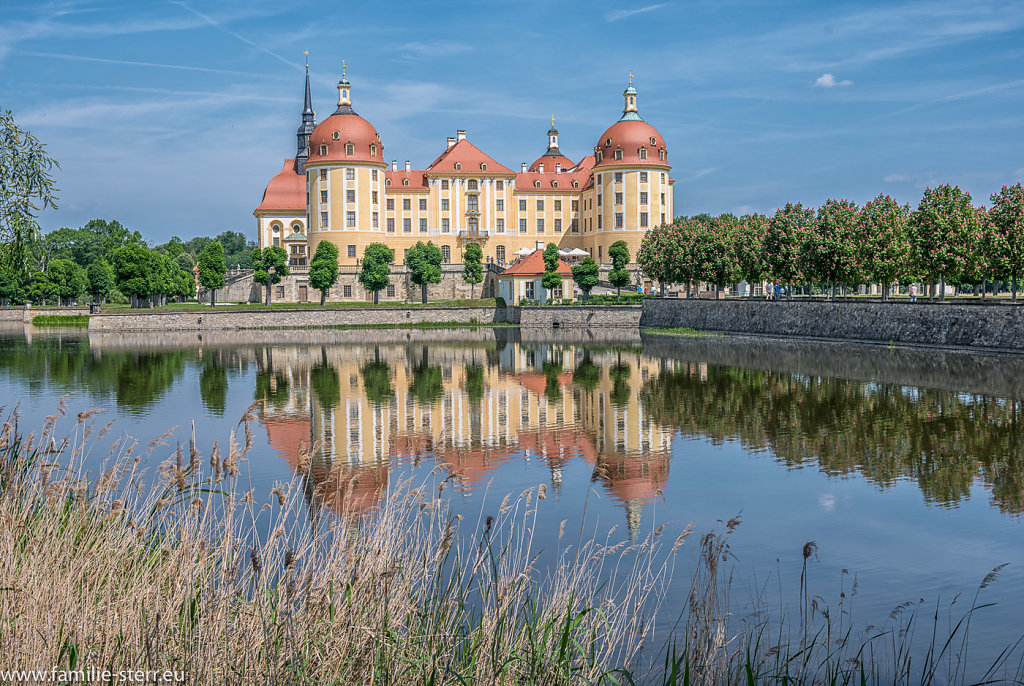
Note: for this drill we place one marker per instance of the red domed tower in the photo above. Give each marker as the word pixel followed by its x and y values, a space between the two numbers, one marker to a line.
pixel 552 158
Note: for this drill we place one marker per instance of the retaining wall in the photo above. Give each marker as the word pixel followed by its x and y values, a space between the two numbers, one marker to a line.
pixel 26 313
pixel 939 324
pixel 575 316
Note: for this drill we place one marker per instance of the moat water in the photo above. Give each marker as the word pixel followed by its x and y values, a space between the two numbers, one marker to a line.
pixel 906 467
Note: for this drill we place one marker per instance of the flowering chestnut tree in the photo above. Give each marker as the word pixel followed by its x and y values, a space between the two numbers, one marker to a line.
pixel 1007 223
pixel 831 254
pixel 782 249
pixel 945 228
pixel 713 251
pixel 748 239
pixel 883 240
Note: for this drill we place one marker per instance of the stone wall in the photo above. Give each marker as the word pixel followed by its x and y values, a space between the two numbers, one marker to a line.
pixel 26 313
pixel 575 316
pixel 241 287
pixel 213 320
pixel 939 324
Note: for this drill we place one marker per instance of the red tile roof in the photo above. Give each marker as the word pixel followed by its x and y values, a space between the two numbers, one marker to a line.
pixel 286 192
pixel 470 157
pixel 417 180
pixel 549 162
pixel 551 182
pixel 630 136
pixel 533 265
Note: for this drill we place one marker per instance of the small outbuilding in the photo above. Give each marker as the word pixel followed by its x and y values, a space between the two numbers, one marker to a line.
pixel 523 280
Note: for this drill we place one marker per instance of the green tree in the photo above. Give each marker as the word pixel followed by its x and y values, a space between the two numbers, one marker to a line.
pixel 26 188
pixel 427 385
pixel 472 270
pixel 586 274
pixel 474 383
pixel 133 268
pixel 942 229
pixel 375 274
pixel 618 253
pixel 67 279
pixel 1007 217
pixel 831 253
pixel 712 249
pixel 213 385
pixel 782 249
pixel 101 280
pixel 323 269
pixel 212 269
pixel 552 259
pixel 269 265
pixel 40 289
pixel 748 241
pixel 424 261
pixel 377 381
pixel 326 384
pixel 882 237
pixel 587 374
pixel 653 256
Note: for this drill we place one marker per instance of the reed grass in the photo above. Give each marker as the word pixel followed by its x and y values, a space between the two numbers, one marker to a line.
pixel 193 572
pixel 81 320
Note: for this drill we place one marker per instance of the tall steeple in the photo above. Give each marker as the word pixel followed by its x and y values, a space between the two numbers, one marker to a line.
pixel 306 127
pixel 629 112
pixel 552 140
pixel 344 93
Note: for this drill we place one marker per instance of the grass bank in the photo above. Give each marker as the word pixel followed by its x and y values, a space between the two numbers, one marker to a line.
pixel 81 320
pixel 681 331
pixel 260 307
pixel 198 574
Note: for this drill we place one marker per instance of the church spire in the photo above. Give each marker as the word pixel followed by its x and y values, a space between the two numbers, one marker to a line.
pixel 305 127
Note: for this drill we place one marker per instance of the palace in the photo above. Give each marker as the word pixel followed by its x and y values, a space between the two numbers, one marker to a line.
pixel 340 189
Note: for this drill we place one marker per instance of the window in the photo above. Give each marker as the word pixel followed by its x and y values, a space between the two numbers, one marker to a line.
pixel 599 222
pixel 662 198
pixel 373 174
pixel 558 206
pixel 323 150
pixel 574 226
pixel 499 185
pixel 529 291
pixel 350 174
pixel 599 255
pixel 558 226
pixel 323 174
pixel 458 166
pixel 336 136
pixel 643 219
pixel 618 154
pixel 445 226
pixel 350 196
pixel 376 221
pixel 471 185
pixel 444 184
pixel 618 177
pixel 391 224
pixel 373 151
pixel 643 198
pixel 499 225
pixel 390 204
pixel 423 204
pixel 575 205
pixel 618 198
pixel 499 253
pixel 663 177
pixel 446 254
pixel 536 184
pixel 348 291
pixel 444 204
pixel 423 225
pixel 483 166
pixel 373 197
pixel 391 290
pixel 297 228
pixel 522 205
pixel 618 220
pixel 406 204
pixel 472 203
pixel 350 219
pixel 643 153
pixel 407 225
pixel 323 219
pixel 662 217
pixel 575 184
pixel 277 241
pixel 599 201
pixel 473 225
pixel 351 251
pixel 280 292
pixel 540 205
pixel 323 196
pixel 643 177
pixel 522 226
pixel 350 149
pixel 405 182
pixel 387 182
pixel 499 205
pixel 405 255
pixel 540 226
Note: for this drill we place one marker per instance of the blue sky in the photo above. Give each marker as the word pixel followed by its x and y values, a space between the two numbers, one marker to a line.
pixel 172 116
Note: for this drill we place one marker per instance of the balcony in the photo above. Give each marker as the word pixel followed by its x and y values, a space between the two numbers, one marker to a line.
pixel 473 233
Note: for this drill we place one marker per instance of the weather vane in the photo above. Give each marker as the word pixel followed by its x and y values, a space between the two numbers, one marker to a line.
pixel 552 120
pixel 630 77
pixel 306 53
pixel 343 68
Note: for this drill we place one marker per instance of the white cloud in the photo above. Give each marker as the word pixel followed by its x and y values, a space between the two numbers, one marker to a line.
pixel 617 15
pixel 1019 175
pixel 828 81
pixel 433 49
pixel 896 178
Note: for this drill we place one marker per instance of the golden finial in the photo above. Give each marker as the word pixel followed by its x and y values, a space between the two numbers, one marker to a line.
pixel 552 120
pixel 306 53
pixel 630 77
pixel 343 68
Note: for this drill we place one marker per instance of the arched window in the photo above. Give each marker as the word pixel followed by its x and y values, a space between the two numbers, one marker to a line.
pixel 350 149
pixel 575 184
pixel 500 253
pixel 536 184
pixel 405 182
pixel 373 151
pixel 600 155
pixel 471 185
pixel 276 228
pixel 323 149
pixel 446 254
pixel 297 228
pixel 618 153
pixel 483 166
pixel 643 153
pixel 554 184
pixel 661 154
pixel 387 182
pixel 458 166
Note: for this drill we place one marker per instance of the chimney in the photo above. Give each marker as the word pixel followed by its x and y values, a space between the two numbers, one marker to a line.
pixel 461 134
pixel 558 167
pixel 394 165
pixel 524 167
pixel 540 168
pixel 408 166
pixel 451 141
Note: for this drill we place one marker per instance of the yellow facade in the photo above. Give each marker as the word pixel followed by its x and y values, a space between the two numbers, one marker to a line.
pixel 587 206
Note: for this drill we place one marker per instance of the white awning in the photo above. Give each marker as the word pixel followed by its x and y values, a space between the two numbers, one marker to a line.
pixel 524 251
pixel 579 252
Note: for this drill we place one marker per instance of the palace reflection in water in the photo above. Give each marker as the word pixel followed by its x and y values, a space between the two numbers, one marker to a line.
pixel 468 409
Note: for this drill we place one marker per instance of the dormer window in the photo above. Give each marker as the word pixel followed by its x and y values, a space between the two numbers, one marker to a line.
pixel 405 182
pixel 654 141
pixel 536 184
pixel 373 151
pixel 323 149
pixel 458 166
pixel 554 184
pixel 350 149
pixel 661 154
pixel 618 153
pixel 336 136
pixel 643 153
pixel 483 166
pixel 575 184
pixel 607 142
pixel 600 156
pixel 387 182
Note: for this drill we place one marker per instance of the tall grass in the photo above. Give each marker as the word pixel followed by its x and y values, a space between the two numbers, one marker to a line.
pixel 196 573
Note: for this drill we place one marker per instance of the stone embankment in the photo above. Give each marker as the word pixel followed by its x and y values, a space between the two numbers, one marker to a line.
pixel 948 325
pixel 26 313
